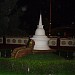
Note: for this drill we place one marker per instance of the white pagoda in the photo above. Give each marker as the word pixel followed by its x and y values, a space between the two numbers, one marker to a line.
pixel 40 39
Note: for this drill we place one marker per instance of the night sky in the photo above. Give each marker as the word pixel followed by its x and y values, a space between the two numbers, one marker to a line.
pixel 23 15
pixel 31 16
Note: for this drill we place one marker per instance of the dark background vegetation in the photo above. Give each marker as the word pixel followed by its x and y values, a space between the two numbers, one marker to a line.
pixel 21 17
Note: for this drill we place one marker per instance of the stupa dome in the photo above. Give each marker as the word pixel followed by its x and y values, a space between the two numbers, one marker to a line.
pixel 39 31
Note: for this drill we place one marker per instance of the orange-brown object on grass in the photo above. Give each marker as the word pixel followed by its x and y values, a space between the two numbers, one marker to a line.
pixel 23 51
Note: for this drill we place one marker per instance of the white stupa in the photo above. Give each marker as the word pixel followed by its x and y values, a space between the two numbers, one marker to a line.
pixel 40 39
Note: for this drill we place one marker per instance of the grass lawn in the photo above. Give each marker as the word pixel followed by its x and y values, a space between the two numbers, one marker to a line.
pixel 37 64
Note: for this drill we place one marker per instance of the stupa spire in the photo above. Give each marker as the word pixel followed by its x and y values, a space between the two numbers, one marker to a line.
pixel 40 22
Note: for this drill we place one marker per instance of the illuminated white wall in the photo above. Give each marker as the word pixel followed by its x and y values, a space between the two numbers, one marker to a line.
pixel 67 42
pixel 16 40
pixel 53 42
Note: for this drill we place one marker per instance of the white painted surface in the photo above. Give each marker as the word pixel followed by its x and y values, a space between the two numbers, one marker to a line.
pixel 53 42
pixel 41 40
pixel 16 40
pixel 67 42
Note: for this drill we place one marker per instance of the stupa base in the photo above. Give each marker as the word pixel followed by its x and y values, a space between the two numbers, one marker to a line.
pixel 41 47
pixel 42 51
